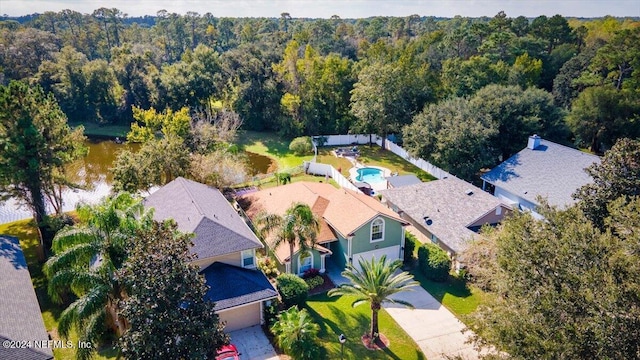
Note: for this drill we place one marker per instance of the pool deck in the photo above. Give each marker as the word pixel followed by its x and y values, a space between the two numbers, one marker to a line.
pixel 376 186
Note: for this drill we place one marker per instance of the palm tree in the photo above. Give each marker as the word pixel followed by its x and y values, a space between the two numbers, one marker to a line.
pixel 299 226
pixel 86 258
pixel 375 284
pixel 296 333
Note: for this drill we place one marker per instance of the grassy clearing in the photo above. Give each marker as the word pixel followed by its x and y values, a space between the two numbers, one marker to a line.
pixel 298 178
pixel 277 148
pixel 108 131
pixel 271 145
pixel 455 294
pixel 336 316
pixel 26 231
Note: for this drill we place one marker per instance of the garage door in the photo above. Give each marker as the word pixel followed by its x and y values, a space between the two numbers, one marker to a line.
pixel 241 317
pixel 392 252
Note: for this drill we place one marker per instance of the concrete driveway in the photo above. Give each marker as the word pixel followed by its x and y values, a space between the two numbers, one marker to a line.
pixel 252 343
pixel 432 326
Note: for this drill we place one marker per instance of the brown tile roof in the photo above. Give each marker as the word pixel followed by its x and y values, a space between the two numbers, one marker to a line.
pixel 341 210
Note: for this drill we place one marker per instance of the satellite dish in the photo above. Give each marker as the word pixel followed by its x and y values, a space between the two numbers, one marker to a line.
pixel 427 220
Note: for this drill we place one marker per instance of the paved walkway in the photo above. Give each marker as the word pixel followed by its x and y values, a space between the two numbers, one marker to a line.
pixel 432 326
pixel 252 343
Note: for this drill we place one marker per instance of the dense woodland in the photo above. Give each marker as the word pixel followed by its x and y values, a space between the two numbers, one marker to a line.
pixel 464 92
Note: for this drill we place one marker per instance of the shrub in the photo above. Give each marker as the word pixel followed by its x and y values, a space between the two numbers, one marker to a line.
pixel 293 290
pixel 270 313
pixel 310 273
pixel 410 242
pixel 314 282
pixel 301 145
pixel 268 267
pixel 296 333
pixel 434 262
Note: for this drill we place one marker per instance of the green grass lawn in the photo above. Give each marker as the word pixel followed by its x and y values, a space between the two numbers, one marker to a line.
pixel 26 231
pixel 455 294
pixel 112 131
pixel 271 145
pixel 336 316
pixel 277 148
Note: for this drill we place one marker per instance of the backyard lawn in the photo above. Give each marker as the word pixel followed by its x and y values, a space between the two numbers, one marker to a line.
pixel 336 316
pixel 277 148
pixel 26 231
pixel 271 145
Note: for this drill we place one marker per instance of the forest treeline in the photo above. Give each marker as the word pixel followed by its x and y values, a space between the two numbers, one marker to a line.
pixel 463 93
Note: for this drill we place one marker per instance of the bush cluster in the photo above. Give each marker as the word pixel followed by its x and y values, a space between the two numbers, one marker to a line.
pixel 434 262
pixel 301 145
pixel 410 242
pixel 314 282
pixel 268 267
pixel 293 290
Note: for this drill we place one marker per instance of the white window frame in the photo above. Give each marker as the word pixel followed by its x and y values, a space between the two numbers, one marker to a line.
pixel 382 225
pixel 245 255
pixel 300 258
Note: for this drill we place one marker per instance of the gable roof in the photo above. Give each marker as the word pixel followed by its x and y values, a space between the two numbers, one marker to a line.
pixel 344 210
pixel 20 318
pixel 403 180
pixel 452 205
pixel 551 170
pixel 203 210
pixel 231 286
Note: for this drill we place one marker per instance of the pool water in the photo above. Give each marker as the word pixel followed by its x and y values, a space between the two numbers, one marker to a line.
pixel 370 175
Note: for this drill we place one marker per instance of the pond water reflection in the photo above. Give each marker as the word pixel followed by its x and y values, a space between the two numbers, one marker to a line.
pixel 94 175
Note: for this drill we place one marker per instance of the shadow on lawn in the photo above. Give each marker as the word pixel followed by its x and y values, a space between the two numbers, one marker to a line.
pixel 453 286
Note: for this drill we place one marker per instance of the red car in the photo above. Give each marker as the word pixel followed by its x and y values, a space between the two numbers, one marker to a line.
pixel 228 352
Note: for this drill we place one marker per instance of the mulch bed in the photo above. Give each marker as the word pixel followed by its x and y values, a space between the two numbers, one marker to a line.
pixel 328 285
pixel 381 343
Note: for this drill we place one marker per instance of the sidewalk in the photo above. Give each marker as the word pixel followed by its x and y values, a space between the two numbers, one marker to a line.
pixel 432 326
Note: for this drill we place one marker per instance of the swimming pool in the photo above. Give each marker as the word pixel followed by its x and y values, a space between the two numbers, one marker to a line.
pixel 370 175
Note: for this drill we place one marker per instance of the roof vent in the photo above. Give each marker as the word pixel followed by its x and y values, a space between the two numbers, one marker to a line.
pixel 534 142
pixel 468 192
pixel 427 220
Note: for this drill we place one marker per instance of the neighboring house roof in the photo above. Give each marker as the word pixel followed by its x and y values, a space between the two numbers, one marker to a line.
pixel 20 318
pixel 551 170
pixel 452 205
pixel 403 180
pixel 231 286
pixel 203 210
pixel 344 210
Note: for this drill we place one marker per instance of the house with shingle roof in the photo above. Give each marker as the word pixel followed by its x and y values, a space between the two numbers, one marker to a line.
pixel 353 226
pixel 224 246
pixel 449 212
pixel 20 317
pixel 542 169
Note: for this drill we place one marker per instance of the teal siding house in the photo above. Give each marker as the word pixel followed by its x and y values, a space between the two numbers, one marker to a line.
pixel 353 226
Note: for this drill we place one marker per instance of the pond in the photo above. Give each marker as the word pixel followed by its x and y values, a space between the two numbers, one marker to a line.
pixel 94 175
pixel 258 164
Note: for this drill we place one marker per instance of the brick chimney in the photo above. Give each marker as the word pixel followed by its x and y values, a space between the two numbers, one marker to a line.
pixel 534 142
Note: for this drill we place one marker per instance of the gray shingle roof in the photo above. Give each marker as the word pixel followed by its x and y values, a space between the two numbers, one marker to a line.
pixel 231 286
pixel 551 170
pixel 203 210
pixel 448 206
pixel 403 180
pixel 20 318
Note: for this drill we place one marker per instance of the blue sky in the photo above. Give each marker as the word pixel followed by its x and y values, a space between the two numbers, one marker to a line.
pixel 342 8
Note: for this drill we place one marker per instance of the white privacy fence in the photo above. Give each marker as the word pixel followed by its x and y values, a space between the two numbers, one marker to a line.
pixel 335 140
pixel 315 168
pixel 420 163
